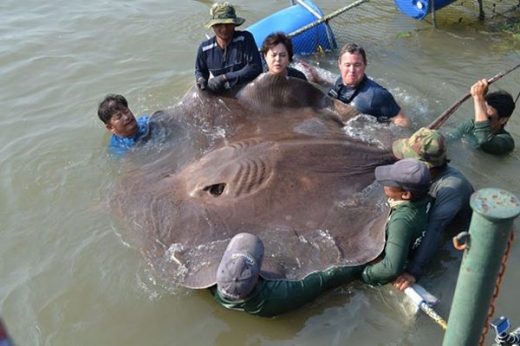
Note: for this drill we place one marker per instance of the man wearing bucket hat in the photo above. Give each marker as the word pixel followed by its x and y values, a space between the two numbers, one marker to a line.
pixel 449 188
pixel 492 112
pixel 241 284
pixel 231 57
pixel 406 184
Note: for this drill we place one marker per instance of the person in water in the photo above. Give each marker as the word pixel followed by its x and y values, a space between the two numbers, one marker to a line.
pixel 231 57
pixel 355 88
pixel 5 340
pixel 406 184
pixel 449 188
pixel 487 129
pixel 277 50
pixel 126 130
pixel 241 287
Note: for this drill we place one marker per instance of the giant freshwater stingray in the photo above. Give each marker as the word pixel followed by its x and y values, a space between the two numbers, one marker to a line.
pixel 279 159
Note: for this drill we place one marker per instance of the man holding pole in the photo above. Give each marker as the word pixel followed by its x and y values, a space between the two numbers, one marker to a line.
pixel 492 112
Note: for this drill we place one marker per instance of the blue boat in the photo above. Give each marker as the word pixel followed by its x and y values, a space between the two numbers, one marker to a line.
pixel 293 18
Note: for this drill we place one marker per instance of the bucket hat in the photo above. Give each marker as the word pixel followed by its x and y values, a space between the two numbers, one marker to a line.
pixel 223 13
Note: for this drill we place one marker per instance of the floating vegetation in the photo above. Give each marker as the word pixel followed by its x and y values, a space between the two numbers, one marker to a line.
pixel 406 34
pixel 506 31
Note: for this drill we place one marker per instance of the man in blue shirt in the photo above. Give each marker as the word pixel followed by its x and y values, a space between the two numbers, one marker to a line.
pixel 353 87
pixel 126 130
pixel 230 57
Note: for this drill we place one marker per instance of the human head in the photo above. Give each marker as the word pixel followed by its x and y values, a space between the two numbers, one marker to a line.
pixel 407 179
pixel 426 145
pixel 223 13
pixel 113 111
pixel 278 52
pixel 352 62
pixel 500 107
pixel 239 269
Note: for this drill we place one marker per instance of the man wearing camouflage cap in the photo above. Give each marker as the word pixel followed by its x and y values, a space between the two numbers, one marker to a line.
pixel 231 57
pixel 450 189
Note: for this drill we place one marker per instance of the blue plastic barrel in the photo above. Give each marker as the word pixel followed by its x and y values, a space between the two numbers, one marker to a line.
pixel 418 9
pixel 291 19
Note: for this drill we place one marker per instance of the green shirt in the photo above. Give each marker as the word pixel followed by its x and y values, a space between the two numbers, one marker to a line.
pixel 479 134
pixel 274 297
pixel 404 230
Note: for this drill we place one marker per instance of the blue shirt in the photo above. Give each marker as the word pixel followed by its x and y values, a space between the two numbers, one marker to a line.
pixel 368 98
pixel 240 61
pixel 119 146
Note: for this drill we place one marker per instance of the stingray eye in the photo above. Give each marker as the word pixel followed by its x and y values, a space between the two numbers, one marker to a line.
pixel 215 189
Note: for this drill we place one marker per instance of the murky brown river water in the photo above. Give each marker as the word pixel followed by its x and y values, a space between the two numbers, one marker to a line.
pixel 67 277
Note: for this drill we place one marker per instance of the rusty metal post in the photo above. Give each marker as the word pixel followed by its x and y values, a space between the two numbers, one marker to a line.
pixel 494 211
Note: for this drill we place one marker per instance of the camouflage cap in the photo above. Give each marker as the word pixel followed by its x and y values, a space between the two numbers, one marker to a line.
pixel 223 13
pixel 425 144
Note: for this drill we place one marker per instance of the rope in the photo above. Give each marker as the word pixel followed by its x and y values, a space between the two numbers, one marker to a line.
pixel 434 16
pixel 425 301
pixel 435 316
pixel 497 288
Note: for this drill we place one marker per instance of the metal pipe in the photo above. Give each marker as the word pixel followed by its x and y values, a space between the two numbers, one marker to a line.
pixel 494 211
pixel 425 301
pixel 327 17
pixel 308 8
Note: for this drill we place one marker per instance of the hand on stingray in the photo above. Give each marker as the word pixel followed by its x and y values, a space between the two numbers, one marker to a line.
pixel 272 151
pixel 217 84
pixel 202 83
pixel 404 281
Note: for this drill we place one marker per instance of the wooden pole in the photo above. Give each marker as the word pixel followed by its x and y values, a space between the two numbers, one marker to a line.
pixel 441 119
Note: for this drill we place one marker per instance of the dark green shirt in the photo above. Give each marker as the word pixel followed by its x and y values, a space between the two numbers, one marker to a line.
pixel 479 134
pixel 404 230
pixel 274 297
